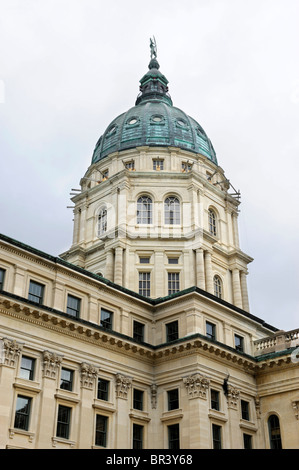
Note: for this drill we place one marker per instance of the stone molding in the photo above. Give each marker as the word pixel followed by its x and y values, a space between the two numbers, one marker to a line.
pixel 10 351
pixel 88 375
pixel 123 385
pixel 197 386
pixel 295 405
pixel 233 395
pixel 51 363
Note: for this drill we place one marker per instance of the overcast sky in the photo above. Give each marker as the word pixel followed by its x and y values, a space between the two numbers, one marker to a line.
pixel 68 67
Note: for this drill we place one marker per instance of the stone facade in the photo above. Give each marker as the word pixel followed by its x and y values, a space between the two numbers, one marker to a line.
pixel 194 367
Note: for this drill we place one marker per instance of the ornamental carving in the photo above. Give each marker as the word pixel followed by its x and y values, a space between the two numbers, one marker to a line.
pixel 233 395
pixel 295 405
pixel 154 396
pixel 123 385
pixel 51 363
pixel 258 407
pixel 88 375
pixel 10 352
pixel 197 386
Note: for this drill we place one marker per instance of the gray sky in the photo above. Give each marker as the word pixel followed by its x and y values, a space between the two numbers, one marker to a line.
pixel 69 67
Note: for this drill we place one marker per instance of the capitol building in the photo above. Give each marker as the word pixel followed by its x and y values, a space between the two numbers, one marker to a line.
pixel 140 335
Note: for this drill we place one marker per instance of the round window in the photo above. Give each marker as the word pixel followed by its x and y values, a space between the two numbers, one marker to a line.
pixel 157 118
pixel 132 121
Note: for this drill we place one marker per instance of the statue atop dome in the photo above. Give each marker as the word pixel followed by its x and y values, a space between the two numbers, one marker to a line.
pixel 153 46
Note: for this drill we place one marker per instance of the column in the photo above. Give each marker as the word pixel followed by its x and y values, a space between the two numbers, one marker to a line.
pixel 197 387
pixel 118 267
pixel 244 291
pixel 76 231
pixel 235 438
pixel 237 296
pixel 88 377
pixel 123 433
pixel 235 229
pixel 209 272
pixel 200 269
pixel 109 266
pixel 10 352
pixel 51 368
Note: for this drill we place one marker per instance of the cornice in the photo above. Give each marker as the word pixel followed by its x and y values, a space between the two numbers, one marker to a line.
pixel 117 342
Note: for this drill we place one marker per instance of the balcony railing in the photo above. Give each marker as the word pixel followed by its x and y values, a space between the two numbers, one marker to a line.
pixel 280 341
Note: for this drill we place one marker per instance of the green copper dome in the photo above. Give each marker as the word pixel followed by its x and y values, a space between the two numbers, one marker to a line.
pixel 154 121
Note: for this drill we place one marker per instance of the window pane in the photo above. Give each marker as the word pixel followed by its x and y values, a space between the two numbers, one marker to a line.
pixel 66 379
pixel 2 274
pixel 174 436
pixel 144 210
pixel 173 399
pixel 211 330
pixel 173 283
pixel 274 432
pixel 36 292
pixel 138 331
pixel 172 331
pixel 217 287
pixel 145 284
pixel 27 368
pixel 172 211
pixel 103 389
pixel 215 400
pixel 137 436
pixel 101 431
pixel 212 222
pixel 63 422
pixel 245 409
pixel 22 413
pixel 102 222
pixel 247 439
pixel 73 306
pixel 216 431
pixel 106 319
pixel 137 399
pixel 239 343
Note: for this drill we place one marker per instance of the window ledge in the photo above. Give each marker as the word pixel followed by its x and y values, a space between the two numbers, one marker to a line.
pixel 27 385
pixel 60 440
pixel 219 415
pixel 248 425
pixel 13 431
pixel 103 405
pixel 173 414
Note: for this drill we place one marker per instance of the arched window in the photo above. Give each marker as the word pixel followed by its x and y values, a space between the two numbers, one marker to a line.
pixel 172 210
pixel 144 210
pixel 274 432
pixel 212 222
pixel 102 222
pixel 217 287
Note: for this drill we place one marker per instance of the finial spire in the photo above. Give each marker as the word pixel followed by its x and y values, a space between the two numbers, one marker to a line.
pixel 153 46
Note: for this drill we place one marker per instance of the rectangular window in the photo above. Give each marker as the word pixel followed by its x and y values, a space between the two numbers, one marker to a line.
pixel 211 330
pixel 174 436
pixel 215 403
pixel 103 389
pixel 73 306
pixel 22 413
pixel 247 440
pixel 245 410
pixel 158 165
pixel 145 284
pixel 144 260
pixel 172 331
pixel 66 379
pixel 173 399
pixel 27 368
pixel 2 275
pixel 137 399
pixel 36 292
pixel 101 431
pixel 173 283
pixel 239 343
pixel 63 422
pixel 138 331
pixel 106 319
pixel 216 433
pixel 137 436
pixel 173 260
